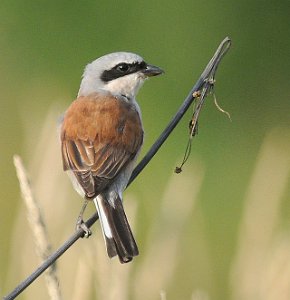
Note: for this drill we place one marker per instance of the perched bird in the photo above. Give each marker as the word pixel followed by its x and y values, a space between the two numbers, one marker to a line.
pixel 101 137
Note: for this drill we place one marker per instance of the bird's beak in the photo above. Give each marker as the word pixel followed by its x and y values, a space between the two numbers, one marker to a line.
pixel 151 70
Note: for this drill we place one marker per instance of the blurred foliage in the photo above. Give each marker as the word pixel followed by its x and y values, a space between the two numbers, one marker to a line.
pixel 44 47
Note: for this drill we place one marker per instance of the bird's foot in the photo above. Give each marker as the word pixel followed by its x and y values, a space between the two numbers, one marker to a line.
pixel 82 225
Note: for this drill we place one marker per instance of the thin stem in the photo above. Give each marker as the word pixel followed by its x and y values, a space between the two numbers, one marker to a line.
pixel 37 224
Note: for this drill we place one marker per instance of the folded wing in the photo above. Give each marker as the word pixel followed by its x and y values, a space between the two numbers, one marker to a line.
pixel 99 136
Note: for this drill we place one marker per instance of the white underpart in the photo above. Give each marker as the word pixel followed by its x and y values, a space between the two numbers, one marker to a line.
pixel 103 219
pixel 75 183
pixel 128 85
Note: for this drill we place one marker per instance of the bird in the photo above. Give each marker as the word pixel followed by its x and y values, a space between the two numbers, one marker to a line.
pixel 101 137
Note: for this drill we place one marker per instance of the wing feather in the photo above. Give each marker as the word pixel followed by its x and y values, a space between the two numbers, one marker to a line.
pixel 99 136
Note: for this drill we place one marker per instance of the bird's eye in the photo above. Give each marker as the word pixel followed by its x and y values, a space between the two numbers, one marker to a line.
pixel 123 68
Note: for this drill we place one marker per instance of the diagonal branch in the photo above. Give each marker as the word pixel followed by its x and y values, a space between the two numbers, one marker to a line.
pixel 203 85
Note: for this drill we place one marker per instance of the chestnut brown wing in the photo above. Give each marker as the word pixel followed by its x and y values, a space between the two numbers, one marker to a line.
pixel 99 136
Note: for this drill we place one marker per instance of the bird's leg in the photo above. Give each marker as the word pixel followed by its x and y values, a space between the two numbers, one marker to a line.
pixel 80 222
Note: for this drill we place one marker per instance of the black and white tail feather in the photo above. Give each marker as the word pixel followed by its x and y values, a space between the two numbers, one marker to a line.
pixel 116 229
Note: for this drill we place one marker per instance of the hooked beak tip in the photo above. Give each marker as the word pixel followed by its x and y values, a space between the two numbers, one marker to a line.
pixel 151 70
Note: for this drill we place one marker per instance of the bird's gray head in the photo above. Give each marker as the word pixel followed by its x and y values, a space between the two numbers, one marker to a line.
pixel 119 73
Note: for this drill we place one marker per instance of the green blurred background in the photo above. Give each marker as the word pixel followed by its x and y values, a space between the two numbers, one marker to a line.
pixel 44 47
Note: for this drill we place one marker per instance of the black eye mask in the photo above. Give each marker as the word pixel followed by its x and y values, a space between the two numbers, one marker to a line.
pixel 122 69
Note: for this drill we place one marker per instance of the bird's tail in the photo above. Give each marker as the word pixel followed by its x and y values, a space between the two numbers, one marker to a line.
pixel 116 229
